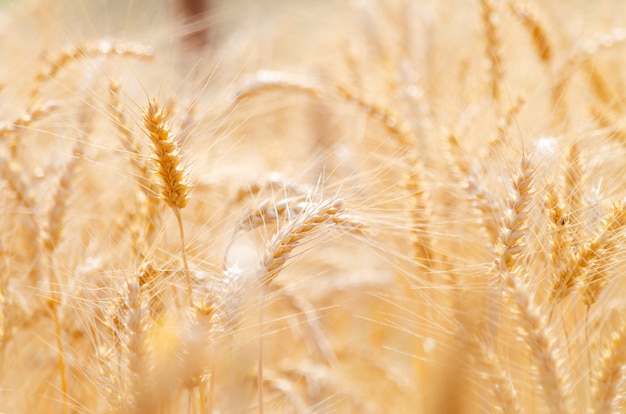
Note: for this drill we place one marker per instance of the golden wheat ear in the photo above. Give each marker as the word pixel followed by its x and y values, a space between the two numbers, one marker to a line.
pixel 174 185
pixel 536 29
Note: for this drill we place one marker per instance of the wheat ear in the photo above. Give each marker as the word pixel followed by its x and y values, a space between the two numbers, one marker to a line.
pixel 489 21
pixel 56 213
pixel 52 233
pixel 392 121
pixel 271 211
pixel 587 255
pixel 603 246
pixel 35 113
pixel 174 187
pixel 532 326
pixel 267 81
pixel 608 377
pixel 279 249
pixel 9 130
pixel 78 52
pixel 513 230
pixel 135 345
pixel 536 29
pixel 292 234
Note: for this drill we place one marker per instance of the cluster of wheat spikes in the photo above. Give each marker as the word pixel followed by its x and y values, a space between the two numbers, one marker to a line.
pixel 313 207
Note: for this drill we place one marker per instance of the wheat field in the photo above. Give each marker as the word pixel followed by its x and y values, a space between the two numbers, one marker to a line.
pixel 334 206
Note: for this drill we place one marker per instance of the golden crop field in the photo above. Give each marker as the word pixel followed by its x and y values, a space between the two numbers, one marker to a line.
pixel 366 206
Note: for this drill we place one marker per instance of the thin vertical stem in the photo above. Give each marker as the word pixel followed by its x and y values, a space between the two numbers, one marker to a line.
pixel 184 253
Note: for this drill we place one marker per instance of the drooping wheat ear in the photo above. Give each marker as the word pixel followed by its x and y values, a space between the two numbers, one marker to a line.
pixel 35 113
pixel 602 248
pixel 573 190
pixel 266 81
pixel 174 187
pixel 78 52
pixel 135 341
pixel 393 122
pixel 587 256
pixel 282 244
pixel 607 380
pixel 490 26
pixel 53 228
pixel 271 211
pixel 581 57
pixel 10 130
pixel 549 369
pixel 419 211
pixel 513 229
pixel 536 30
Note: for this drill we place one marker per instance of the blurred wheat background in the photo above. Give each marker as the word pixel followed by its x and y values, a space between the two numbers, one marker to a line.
pixel 312 207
